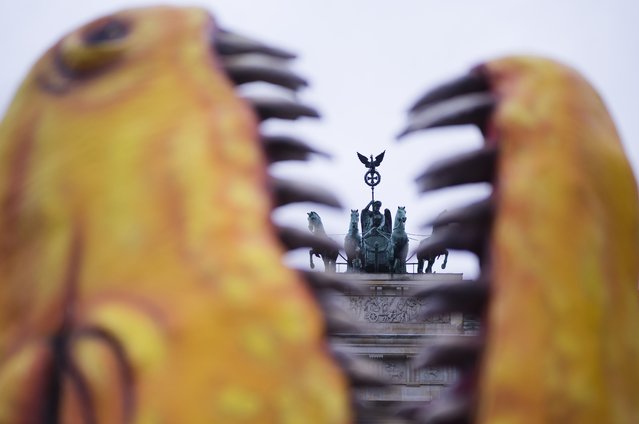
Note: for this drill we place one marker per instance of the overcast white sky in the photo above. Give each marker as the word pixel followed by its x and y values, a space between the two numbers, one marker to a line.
pixel 367 60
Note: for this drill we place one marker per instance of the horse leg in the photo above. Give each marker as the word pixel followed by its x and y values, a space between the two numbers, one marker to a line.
pixel 357 263
pixel 420 266
pixel 310 256
pixel 403 258
pixel 333 261
pixel 445 259
pixel 329 265
pixel 429 268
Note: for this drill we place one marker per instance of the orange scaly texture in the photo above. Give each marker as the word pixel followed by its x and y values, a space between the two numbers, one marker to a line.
pixel 134 216
pixel 563 326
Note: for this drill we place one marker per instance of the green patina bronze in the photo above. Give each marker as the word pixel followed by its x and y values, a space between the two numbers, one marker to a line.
pixel 383 246
pixel 327 254
pixel 374 242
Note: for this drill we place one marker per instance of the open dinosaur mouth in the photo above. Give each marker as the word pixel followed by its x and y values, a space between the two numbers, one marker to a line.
pixel 126 296
pixel 466 100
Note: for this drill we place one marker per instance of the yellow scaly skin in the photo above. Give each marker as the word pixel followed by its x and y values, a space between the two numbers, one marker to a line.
pixel 135 225
pixel 563 322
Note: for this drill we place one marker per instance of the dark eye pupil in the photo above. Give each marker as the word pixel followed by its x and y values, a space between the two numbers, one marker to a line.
pixel 111 30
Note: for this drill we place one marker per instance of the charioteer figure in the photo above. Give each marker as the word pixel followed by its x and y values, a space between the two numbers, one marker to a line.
pixel 375 219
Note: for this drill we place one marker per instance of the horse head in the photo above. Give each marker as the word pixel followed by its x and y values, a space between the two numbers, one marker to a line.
pixel 400 216
pixel 314 221
pixel 354 219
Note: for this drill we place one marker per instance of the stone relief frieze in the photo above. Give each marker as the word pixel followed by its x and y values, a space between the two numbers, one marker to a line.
pixel 396 371
pixel 392 309
pixel 432 376
pixel 399 371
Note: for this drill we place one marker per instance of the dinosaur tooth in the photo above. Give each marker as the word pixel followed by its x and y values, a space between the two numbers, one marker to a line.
pixel 251 67
pixel 367 411
pixel 361 372
pixel 465 296
pixel 450 409
pixel 461 352
pixel 473 82
pixel 478 213
pixel 456 236
pixel 294 238
pixel 473 167
pixel 268 107
pixel 337 319
pixel 323 281
pixel 286 191
pixel 283 148
pixel 231 43
pixel 473 108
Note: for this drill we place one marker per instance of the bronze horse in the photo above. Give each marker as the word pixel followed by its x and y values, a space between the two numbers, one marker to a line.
pixel 353 244
pixel 399 242
pixel 430 255
pixel 329 256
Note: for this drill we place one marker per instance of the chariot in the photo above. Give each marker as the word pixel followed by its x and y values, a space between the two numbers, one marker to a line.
pixel 377 252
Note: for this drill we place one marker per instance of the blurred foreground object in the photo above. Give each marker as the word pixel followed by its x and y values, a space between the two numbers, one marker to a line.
pixel 141 276
pixel 558 241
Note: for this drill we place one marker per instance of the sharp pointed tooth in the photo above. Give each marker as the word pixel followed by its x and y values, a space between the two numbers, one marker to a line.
pixel 282 148
pixel 293 238
pixel 409 410
pixel 340 323
pixel 287 191
pixel 367 411
pixel 475 213
pixel 361 372
pixel 462 352
pixel 452 409
pixel 474 82
pixel 474 108
pixel 257 67
pixel 455 236
pixel 473 167
pixel 230 43
pixel 321 281
pixel 467 296
pixel 338 320
pixel 275 107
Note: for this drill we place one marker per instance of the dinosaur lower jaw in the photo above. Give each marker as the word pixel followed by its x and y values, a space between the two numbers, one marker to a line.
pixel 467 100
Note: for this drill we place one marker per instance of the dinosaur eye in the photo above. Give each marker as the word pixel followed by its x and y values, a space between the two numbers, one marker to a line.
pixel 97 46
pixel 107 30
